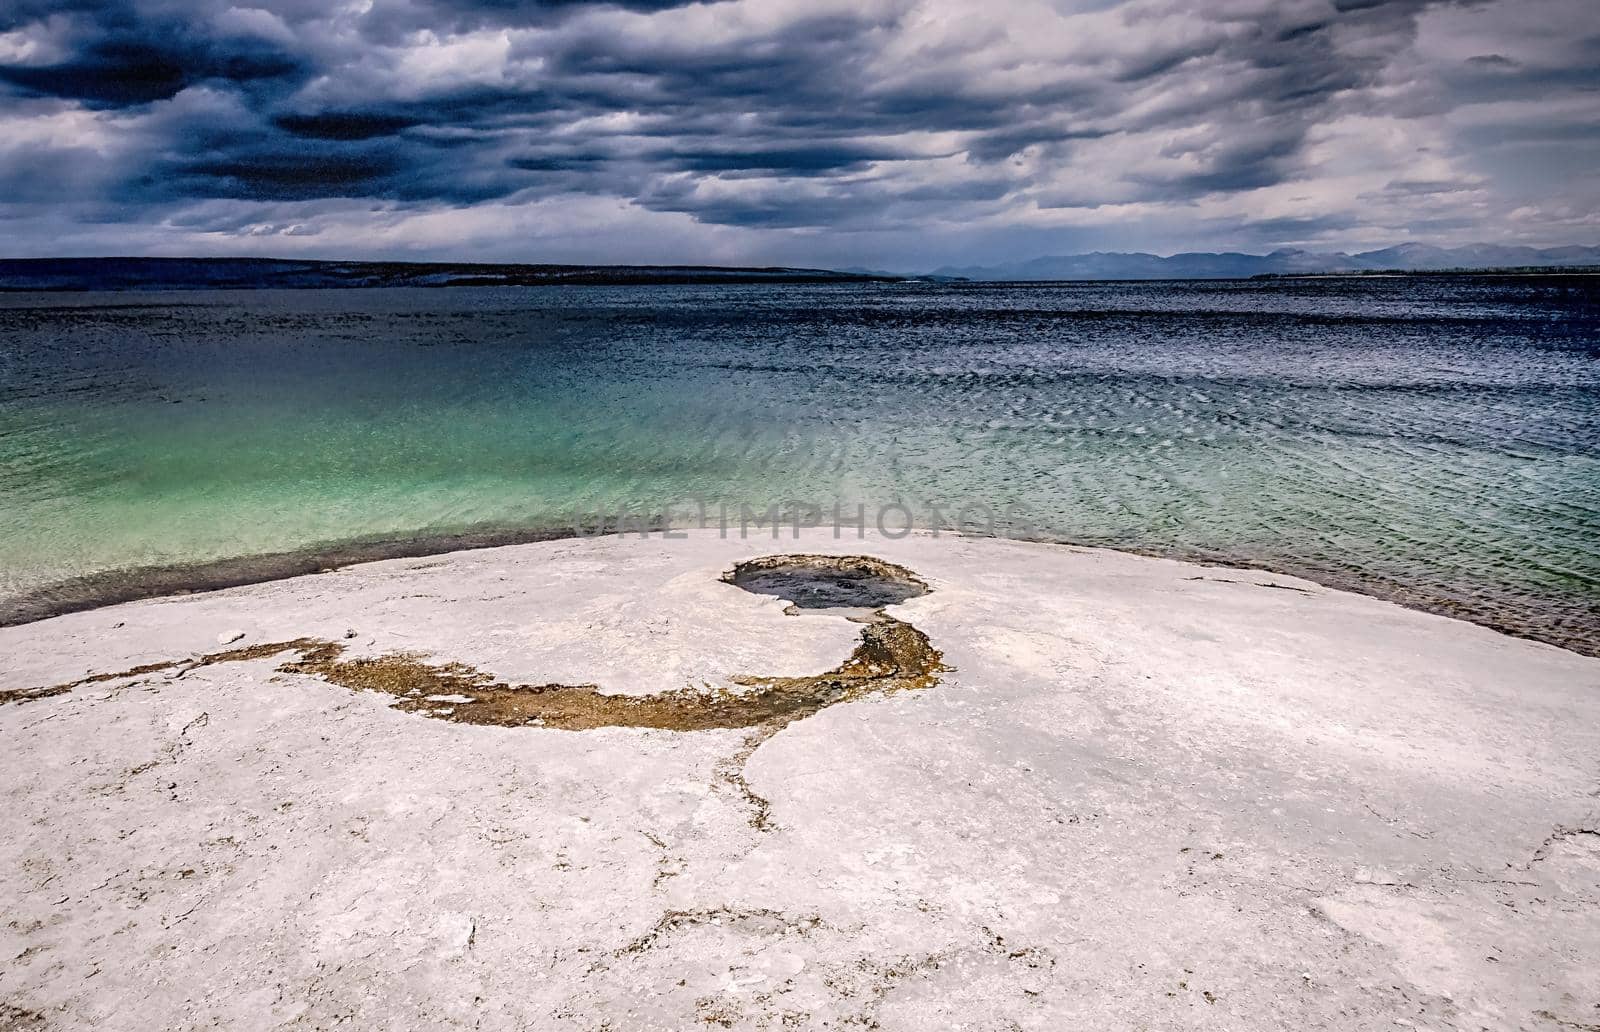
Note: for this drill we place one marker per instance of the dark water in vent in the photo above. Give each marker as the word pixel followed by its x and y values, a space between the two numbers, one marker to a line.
pixel 828 582
pixel 1431 440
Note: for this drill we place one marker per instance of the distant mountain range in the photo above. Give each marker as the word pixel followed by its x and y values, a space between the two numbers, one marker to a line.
pixel 1234 265
pixel 18 274
pixel 254 273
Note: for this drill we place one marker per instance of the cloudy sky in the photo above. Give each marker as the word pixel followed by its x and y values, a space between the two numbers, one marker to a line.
pixel 899 134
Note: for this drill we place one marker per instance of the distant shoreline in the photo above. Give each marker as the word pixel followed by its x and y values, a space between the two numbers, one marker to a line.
pixel 46 275
pixel 128 274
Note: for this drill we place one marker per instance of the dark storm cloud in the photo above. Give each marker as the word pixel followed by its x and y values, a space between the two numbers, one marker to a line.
pixel 116 57
pixel 122 70
pixel 276 175
pixel 344 125
pixel 769 115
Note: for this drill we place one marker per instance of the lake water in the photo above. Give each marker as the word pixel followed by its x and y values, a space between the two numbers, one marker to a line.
pixel 1436 441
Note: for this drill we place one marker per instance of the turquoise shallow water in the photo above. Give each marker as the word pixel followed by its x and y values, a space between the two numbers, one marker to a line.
pixel 1431 440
